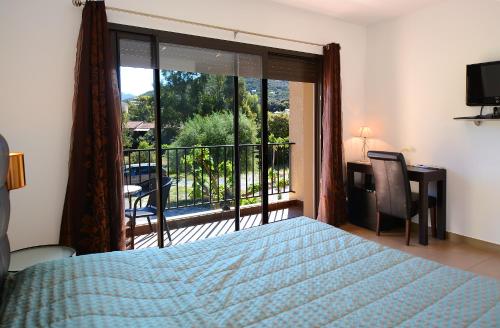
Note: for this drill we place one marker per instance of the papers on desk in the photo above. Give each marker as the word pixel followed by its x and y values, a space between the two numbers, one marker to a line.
pixel 429 167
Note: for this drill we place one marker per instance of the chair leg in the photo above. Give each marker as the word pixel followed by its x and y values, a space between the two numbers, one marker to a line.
pixel 150 225
pixel 408 231
pixel 168 231
pixel 378 224
pixel 433 221
pixel 131 244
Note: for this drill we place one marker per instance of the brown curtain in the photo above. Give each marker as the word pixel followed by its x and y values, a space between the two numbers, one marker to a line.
pixel 332 202
pixel 93 215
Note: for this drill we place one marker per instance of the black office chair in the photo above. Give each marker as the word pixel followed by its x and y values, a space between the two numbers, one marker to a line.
pixel 393 193
pixel 150 209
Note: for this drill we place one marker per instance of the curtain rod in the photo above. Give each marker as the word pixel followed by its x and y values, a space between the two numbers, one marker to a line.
pixel 78 3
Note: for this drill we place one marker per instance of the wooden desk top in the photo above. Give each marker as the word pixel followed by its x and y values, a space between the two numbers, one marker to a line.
pixel 415 173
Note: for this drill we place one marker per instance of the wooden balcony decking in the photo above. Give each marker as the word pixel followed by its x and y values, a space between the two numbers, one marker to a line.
pixel 208 230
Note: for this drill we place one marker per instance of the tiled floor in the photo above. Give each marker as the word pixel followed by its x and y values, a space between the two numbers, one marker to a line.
pixel 452 253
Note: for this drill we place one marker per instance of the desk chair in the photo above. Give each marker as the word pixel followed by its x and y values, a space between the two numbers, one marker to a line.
pixel 393 193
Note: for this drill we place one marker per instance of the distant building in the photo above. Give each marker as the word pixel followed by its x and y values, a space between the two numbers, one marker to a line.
pixel 139 126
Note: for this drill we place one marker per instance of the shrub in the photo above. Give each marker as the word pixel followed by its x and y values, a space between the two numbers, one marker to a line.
pixel 211 130
pixel 279 125
pixel 215 129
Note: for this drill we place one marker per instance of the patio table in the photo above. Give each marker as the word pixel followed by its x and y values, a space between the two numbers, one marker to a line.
pixel 129 190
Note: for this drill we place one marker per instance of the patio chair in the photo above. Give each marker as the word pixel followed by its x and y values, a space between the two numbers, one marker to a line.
pixel 150 209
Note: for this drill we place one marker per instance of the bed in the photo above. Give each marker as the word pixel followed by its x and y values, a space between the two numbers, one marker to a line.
pixel 295 273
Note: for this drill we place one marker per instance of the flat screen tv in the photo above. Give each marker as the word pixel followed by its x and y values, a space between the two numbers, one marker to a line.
pixel 483 84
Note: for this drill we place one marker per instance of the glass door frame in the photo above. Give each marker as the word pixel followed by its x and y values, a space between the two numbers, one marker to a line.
pixel 156 37
pixel 159 175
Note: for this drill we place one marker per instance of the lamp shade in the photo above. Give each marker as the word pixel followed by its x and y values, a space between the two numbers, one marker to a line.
pixel 16 177
pixel 365 132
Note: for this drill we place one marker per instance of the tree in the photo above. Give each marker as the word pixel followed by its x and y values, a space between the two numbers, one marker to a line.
pixel 127 139
pixel 197 111
pixel 141 108
pixel 279 95
pixel 250 106
pixel 215 129
pixel 180 99
pixel 278 106
pixel 279 133
pixel 279 125
pixel 217 95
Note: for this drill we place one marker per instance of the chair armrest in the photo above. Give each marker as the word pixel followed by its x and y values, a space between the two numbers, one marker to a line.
pixel 139 199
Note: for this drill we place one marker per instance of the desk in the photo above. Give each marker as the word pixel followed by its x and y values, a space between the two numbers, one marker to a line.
pixel 423 176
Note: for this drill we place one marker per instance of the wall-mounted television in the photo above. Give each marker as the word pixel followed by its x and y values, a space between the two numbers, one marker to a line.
pixel 483 84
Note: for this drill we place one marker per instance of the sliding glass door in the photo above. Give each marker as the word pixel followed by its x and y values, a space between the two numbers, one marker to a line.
pixel 216 129
pixel 137 85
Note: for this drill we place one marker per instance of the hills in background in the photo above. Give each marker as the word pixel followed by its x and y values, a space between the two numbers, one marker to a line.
pixel 278 90
pixel 278 93
pixel 127 96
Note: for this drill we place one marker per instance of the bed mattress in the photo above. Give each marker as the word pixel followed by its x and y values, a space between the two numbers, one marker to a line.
pixel 295 273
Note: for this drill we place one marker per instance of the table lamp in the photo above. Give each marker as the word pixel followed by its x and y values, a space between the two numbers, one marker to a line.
pixel 364 133
pixel 16 177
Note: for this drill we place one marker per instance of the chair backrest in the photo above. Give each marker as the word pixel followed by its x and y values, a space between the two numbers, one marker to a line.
pixel 392 185
pixel 166 183
pixel 147 185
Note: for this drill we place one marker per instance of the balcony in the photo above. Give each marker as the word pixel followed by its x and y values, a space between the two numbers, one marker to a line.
pixel 194 232
pixel 200 201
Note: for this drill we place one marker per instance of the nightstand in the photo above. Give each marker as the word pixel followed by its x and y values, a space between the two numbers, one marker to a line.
pixel 26 257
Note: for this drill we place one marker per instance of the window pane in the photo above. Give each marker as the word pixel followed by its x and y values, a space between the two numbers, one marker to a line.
pixel 214 62
pixel 279 140
pixel 197 102
pixel 291 147
pixel 135 53
pixel 138 123
pixel 292 68
pixel 250 121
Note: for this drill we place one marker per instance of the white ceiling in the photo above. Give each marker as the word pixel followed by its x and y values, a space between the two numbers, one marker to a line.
pixel 360 11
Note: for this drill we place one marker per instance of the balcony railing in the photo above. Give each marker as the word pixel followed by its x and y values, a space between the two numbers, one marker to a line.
pixel 203 175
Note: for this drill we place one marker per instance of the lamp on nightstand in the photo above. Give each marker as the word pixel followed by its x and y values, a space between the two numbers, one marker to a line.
pixel 16 177
pixel 364 133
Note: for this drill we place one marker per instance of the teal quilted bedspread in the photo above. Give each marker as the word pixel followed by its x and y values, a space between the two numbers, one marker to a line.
pixel 295 273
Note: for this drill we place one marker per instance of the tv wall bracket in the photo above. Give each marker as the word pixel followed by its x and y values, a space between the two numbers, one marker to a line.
pixel 479 119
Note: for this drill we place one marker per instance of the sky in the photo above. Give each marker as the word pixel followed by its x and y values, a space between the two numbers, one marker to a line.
pixel 136 81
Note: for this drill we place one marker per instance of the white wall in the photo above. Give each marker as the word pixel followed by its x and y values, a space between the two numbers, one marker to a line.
pixel 38 40
pixel 37 57
pixel 415 85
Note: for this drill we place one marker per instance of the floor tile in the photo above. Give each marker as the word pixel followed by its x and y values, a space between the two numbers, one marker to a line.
pixel 447 252
pixel 489 267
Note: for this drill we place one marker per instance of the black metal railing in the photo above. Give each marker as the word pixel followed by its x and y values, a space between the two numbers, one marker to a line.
pixel 203 175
